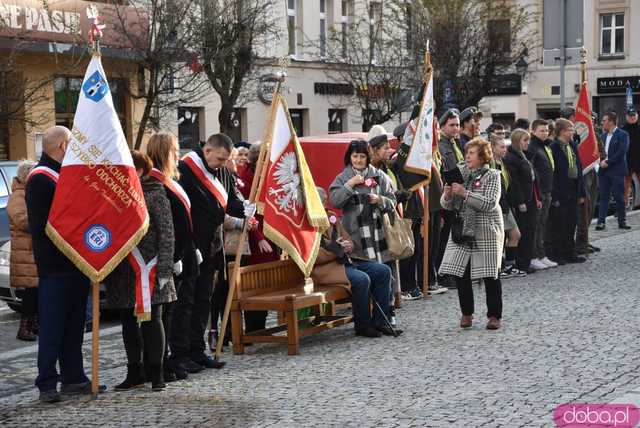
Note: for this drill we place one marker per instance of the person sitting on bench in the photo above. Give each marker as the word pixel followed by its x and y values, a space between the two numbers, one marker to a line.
pixel 334 265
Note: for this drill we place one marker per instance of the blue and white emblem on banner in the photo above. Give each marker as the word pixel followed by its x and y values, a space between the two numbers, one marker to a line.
pixel 95 87
pixel 97 238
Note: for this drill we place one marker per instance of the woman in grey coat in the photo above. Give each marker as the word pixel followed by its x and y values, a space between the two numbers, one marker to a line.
pixel 144 334
pixel 364 194
pixel 477 254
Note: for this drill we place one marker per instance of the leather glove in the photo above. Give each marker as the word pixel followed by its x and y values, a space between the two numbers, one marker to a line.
pixel 177 267
pixel 162 282
pixel 199 258
pixel 249 209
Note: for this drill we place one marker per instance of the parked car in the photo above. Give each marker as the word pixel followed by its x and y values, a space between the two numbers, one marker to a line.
pixel 7 172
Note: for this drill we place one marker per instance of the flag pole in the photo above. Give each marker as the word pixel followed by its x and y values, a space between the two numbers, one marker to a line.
pixel 425 197
pixel 583 65
pixel 253 196
pixel 95 286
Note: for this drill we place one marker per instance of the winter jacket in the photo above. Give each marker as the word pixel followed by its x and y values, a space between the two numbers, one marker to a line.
pixel 485 254
pixel 541 160
pixel 451 152
pixel 563 187
pixel 521 187
pixel 349 199
pixel 23 271
pixel 159 241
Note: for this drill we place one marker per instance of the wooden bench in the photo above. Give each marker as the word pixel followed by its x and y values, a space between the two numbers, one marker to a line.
pixel 280 286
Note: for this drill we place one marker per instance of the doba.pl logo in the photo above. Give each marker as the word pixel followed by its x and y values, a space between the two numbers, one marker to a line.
pixel 596 415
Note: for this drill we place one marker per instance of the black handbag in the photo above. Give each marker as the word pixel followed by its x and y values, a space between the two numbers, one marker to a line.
pixel 457 224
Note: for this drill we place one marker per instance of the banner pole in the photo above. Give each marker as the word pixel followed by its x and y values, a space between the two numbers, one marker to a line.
pixel 425 242
pixel 253 196
pixel 95 339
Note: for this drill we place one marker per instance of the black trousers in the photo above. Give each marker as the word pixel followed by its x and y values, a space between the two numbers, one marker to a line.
pixel 444 236
pixel 434 246
pixel 562 221
pixel 493 291
pixel 202 305
pixel 145 338
pixel 30 302
pixel 411 268
pixel 527 224
pixel 180 326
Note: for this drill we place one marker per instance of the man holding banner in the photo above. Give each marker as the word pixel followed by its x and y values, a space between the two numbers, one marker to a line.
pixel 212 192
pixel 63 289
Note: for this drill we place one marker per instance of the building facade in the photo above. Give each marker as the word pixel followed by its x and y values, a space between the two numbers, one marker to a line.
pixel 43 58
pixel 610 33
pixel 319 102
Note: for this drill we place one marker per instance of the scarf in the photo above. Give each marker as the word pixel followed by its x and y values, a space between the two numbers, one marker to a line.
pixel 472 181
pixel 571 159
pixel 369 219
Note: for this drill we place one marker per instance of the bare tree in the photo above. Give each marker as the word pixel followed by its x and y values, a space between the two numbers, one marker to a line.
pixel 472 42
pixel 368 53
pixel 232 31
pixel 162 36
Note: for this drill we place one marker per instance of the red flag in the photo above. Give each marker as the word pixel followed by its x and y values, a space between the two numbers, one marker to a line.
pixel 588 147
pixel 294 217
pixel 98 212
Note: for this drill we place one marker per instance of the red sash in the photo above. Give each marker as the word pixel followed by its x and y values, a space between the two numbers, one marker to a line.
pixel 145 283
pixel 208 180
pixel 46 171
pixel 176 189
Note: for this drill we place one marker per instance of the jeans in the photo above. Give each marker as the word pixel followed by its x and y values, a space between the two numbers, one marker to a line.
pixel 369 277
pixel 493 291
pixel 62 308
pixel 607 184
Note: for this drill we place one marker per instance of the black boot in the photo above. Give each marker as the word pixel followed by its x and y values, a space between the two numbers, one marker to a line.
pixel 24 332
pixel 135 378
pixel 34 324
pixel 157 378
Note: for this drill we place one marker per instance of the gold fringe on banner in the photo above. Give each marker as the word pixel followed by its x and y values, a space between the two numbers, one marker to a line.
pixel 281 241
pixel 83 265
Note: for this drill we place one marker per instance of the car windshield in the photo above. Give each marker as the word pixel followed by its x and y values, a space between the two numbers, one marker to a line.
pixel 10 171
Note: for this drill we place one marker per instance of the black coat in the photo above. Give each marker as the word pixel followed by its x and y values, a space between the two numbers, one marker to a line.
pixel 206 212
pixel 185 247
pixel 633 154
pixel 39 197
pixel 541 163
pixel 563 187
pixel 522 178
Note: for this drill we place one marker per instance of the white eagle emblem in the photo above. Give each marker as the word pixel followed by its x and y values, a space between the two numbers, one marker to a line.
pixel 288 195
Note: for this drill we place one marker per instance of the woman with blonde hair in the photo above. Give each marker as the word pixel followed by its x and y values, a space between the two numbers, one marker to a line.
pixel 523 196
pixel 164 151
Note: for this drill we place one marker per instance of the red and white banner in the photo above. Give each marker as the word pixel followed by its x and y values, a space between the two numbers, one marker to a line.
pixel 588 147
pixel 98 213
pixel 294 217
pixel 420 152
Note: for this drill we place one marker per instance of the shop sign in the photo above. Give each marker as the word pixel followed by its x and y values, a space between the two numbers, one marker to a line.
pixel 65 21
pixel 618 85
pixel 333 89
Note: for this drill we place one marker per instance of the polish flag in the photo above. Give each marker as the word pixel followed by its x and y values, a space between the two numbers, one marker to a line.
pixel 294 217
pixel 98 213
pixel 588 147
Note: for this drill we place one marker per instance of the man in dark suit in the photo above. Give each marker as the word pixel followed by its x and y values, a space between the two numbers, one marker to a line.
pixel 613 169
pixel 567 193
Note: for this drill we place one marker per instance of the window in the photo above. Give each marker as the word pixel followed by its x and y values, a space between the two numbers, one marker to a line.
pixel 336 120
pixel 500 36
pixel 189 127
pixel 297 120
pixel 612 34
pixel 323 28
pixel 346 10
pixel 67 92
pixel 291 27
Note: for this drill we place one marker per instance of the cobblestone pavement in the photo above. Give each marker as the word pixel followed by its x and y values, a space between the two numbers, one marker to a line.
pixel 568 336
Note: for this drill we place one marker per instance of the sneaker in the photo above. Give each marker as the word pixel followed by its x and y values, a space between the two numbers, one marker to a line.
pixel 512 272
pixel 207 362
pixel 537 264
pixel 436 289
pixel 600 226
pixel 550 263
pixel 414 294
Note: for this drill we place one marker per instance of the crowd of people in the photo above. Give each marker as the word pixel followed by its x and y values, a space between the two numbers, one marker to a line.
pixel 498 208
